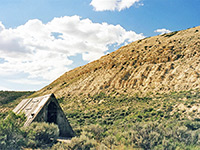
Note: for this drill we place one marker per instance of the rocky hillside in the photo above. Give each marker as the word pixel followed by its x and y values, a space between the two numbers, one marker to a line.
pixel 164 63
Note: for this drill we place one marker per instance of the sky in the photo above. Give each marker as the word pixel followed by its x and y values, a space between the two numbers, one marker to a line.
pixel 42 39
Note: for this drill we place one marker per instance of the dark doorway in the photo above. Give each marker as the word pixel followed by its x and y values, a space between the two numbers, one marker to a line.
pixel 52 113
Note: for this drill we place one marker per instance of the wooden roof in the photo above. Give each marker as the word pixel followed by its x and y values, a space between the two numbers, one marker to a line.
pixel 31 107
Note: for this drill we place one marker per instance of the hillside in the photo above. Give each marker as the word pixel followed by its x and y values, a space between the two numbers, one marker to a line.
pixel 143 96
pixel 164 63
pixel 9 99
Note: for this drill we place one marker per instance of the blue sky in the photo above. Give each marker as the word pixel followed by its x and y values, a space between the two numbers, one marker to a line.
pixel 42 39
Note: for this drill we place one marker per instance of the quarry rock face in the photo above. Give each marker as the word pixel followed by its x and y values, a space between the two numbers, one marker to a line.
pixel 163 63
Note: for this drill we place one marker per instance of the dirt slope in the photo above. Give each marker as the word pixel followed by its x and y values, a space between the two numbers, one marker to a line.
pixel 164 63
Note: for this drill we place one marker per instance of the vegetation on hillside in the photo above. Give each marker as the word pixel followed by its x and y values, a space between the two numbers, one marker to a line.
pixel 161 121
pixel 13 136
pixel 121 122
pixel 10 133
pixel 9 99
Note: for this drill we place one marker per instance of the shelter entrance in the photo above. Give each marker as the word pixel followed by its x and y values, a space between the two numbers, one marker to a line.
pixel 52 113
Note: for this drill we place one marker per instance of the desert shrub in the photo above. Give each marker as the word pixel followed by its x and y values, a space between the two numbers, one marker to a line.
pixel 126 76
pixel 126 138
pixel 99 96
pixel 94 131
pixel 110 141
pixel 192 125
pixel 147 136
pixel 86 140
pixel 170 34
pixel 82 143
pixel 39 134
pixel 164 135
pixel 78 131
pixel 59 146
pixel 10 133
pixel 103 147
pixel 167 144
pixel 182 135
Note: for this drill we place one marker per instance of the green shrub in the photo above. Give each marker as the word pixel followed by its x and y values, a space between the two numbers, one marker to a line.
pixel 10 133
pixel 146 136
pixel 82 143
pixel 39 134
pixel 170 34
pixel 95 131
pixel 192 125
pixel 110 141
pixel 181 134
pixel 59 146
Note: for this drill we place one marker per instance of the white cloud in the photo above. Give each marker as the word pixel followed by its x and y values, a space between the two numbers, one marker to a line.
pixel 42 50
pixel 162 31
pixel 111 5
pixel 27 81
pixel 2 88
pixel 1 26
